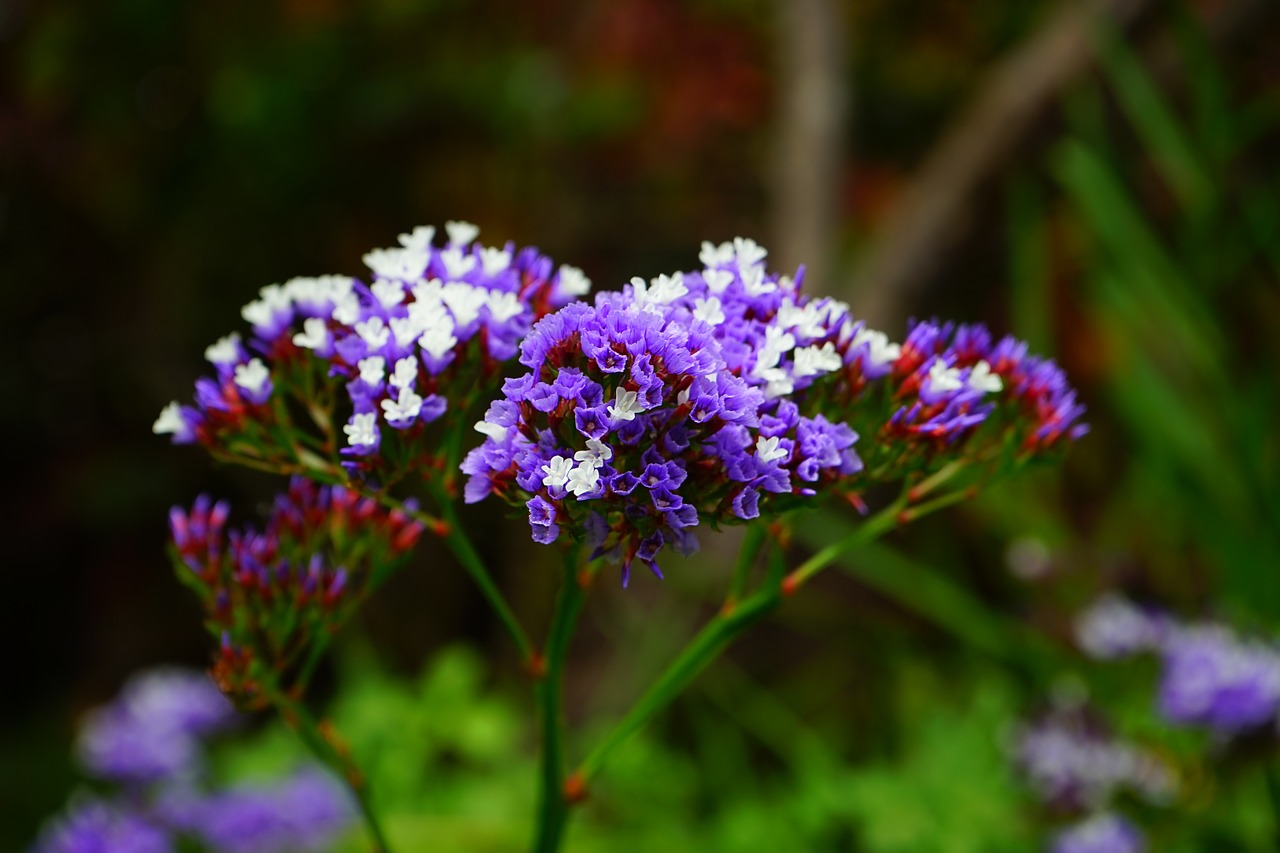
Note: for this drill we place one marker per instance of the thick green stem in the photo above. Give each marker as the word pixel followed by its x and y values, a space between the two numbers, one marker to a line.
pixel 872 529
pixel 553 804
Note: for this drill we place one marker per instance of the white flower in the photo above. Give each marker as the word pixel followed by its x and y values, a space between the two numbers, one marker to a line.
pixel 252 376
pixel 170 421
pixel 464 301
pixel 461 233
pixel 438 341
pixel 372 369
pixel 717 280
pixel 665 289
pixel 406 372
pixel 767 449
pixel 495 431
pixel 406 264
pixel 346 309
pixel 225 350
pixel 406 330
pixel 583 479
pixel 943 379
pixel 626 405
pixel 419 240
pixel 374 332
pixel 427 291
pixel 389 293
pixel 807 321
pixel 503 306
pixel 406 408
pixel 362 431
pixel 879 351
pixel 557 471
pixel 457 264
pixel 494 261
pixel 982 379
pixel 778 383
pixel 754 283
pixel 713 256
pixel 708 310
pixel 597 453
pixel 813 360
pixel 573 282
pixel 276 297
pixel 748 253
pixel 258 313
pixel 314 334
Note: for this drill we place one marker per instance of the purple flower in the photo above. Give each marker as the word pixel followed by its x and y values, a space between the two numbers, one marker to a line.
pixel 1072 764
pixel 1212 678
pixel 1102 833
pixel 303 813
pixel 429 321
pixel 98 826
pixel 152 730
pixel 1114 628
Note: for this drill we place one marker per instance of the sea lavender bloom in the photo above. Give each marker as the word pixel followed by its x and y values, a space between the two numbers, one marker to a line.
pixel 152 730
pixel 632 423
pixel 430 324
pixel 1101 833
pixel 1213 678
pixel 1114 628
pixel 100 826
pixel 1070 764
pixel 305 812
pixel 322 549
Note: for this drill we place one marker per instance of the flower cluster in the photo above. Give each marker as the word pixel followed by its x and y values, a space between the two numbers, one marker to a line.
pixel 662 405
pixel 151 740
pixel 1072 764
pixel 269 593
pixel 726 393
pixel 430 320
pixel 154 727
pixel 1101 833
pixel 1209 676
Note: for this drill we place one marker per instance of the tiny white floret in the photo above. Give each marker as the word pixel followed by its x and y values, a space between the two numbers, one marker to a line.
pixel 374 332
pixel 389 293
pixel 314 334
pixel 713 256
pixel 461 233
pixel 982 379
pixel 372 369
pixel 597 453
pixel 557 471
pixel 717 280
pixel 225 350
pixel 456 263
pixel 362 431
pixel 405 408
pixel 767 449
pixel 170 421
pixel 626 405
pixel 573 282
pixel 494 261
pixel 583 479
pixel 406 372
pixel 420 239
pixel 943 379
pixel 495 431
pixel 252 376
pixel 503 306
pixel 709 311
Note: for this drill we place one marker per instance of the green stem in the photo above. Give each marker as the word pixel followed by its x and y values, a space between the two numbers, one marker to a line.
pixel 870 530
pixel 751 544
pixel 297 717
pixel 553 805
pixel 466 553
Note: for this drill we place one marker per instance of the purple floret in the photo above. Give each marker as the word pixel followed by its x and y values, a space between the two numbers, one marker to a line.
pixel 1213 678
pixel 1102 833
pixel 98 826
pixel 152 730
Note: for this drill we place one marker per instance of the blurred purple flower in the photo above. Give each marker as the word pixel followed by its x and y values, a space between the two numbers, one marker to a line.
pixel 1102 833
pixel 97 826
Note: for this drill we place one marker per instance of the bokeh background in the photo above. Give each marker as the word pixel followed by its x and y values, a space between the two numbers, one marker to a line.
pixel 1100 178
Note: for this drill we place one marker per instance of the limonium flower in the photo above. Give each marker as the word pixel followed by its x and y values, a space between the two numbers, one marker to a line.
pixel 1213 678
pixel 1071 763
pixel 1101 833
pixel 632 426
pixel 370 359
pixel 301 813
pixel 92 825
pixel 152 730
pixel 1113 627
pixel 272 591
